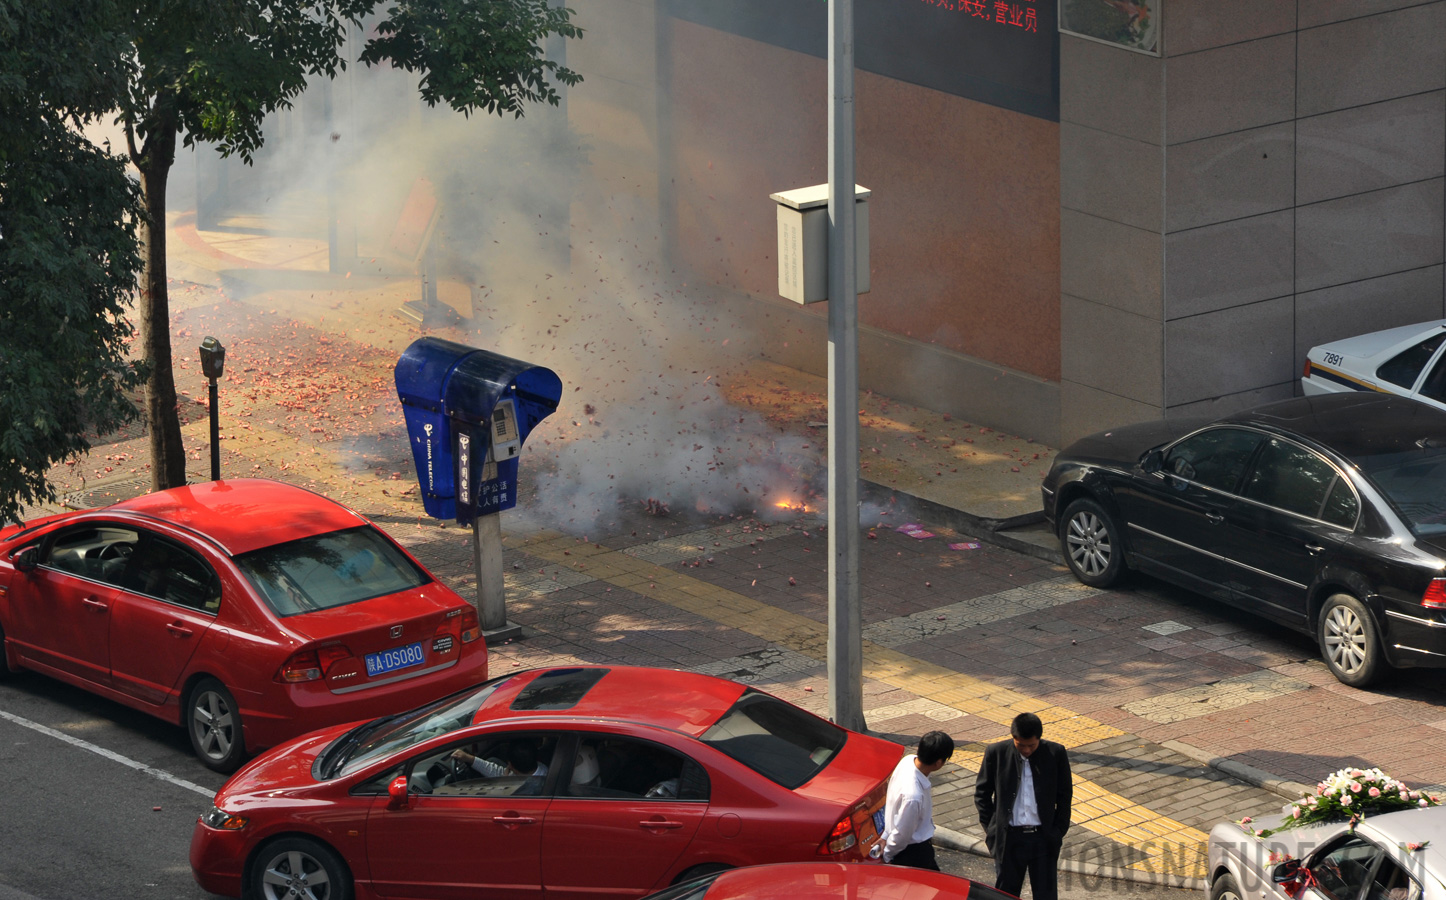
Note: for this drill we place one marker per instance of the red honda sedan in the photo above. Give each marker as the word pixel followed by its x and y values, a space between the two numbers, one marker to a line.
pixel 584 782
pixel 840 881
pixel 247 611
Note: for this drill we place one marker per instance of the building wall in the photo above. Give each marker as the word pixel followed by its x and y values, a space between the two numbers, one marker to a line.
pixel 703 125
pixel 1273 181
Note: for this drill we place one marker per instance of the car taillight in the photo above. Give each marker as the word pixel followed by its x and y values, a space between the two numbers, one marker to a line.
pixel 840 839
pixel 1305 373
pixel 471 627
pixel 1435 596
pixel 310 664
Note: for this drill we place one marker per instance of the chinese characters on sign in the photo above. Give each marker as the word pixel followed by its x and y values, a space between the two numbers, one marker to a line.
pixel 1000 12
pixel 492 496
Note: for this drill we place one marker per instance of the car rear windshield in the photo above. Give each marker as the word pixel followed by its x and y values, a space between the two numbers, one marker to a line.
pixel 1415 483
pixel 776 739
pixel 330 570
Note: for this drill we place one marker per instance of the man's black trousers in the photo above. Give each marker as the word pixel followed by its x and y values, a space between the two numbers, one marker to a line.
pixel 1033 852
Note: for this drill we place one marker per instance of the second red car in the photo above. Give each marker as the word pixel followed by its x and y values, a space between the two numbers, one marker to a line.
pixel 572 783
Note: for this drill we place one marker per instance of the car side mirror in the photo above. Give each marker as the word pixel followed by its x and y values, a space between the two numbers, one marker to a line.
pixel 1153 461
pixel 397 794
pixel 1286 872
pixel 27 559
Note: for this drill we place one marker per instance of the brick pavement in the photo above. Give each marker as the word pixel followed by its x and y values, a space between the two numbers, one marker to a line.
pixel 1142 683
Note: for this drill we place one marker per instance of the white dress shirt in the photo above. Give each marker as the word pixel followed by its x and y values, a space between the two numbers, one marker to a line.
pixel 908 809
pixel 1026 806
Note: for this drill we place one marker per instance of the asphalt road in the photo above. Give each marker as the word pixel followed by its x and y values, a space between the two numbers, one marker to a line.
pixel 99 801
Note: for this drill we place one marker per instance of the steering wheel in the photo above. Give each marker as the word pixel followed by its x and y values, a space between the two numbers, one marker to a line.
pixel 460 769
pixel 118 550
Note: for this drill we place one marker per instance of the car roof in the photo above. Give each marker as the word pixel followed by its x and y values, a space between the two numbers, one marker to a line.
pixel 1355 424
pixel 1378 342
pixel 667 698
pixel 826 879
pixel 244 514
pixel 1415 826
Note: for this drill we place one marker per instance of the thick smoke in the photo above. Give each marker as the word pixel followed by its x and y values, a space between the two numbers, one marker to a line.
pixel 544 258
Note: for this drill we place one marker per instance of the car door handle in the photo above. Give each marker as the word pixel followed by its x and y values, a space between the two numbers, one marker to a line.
pixel 513 821
pixel 94 604
pixel 179 630
pixel 1215 518
pixel 1313 549
pixel 660 823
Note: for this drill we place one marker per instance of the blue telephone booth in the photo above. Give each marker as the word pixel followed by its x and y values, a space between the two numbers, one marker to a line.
pixel 468 413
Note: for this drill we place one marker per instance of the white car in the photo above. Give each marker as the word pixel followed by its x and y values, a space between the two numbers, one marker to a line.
pixel 1408 361
pixel 1331 862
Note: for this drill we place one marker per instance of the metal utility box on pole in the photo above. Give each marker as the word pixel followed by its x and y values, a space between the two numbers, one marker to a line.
pixel 803 235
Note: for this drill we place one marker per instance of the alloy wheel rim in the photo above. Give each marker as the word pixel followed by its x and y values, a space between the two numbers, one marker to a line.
pixel 1089 543
pixel 1228 894
pixel 213 725
pixel 1345 640
pixel 295 874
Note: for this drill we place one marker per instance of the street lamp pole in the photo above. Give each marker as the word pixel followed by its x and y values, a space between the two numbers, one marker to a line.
pixel 213 363
pixel 845 617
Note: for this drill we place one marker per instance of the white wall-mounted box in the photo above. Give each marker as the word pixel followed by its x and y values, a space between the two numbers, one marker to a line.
pixel 803 242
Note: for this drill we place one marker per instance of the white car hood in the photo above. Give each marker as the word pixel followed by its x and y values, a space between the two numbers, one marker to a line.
pixel 1367 345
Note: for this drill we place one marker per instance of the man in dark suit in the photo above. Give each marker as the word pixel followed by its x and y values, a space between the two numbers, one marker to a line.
pixel 1023 795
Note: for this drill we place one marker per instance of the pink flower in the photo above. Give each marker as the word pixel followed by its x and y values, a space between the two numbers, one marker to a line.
pixel 1295 812
pixel 1355 787
pixel 1346 800
pixel 1246 821
pixel 1423 802
pixel 1375 792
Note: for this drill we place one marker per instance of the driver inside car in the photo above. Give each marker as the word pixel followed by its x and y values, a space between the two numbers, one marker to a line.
pixel 521 759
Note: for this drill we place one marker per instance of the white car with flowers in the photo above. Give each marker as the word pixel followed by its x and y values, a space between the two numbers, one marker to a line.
pixel 1362 836
pixel 1409 360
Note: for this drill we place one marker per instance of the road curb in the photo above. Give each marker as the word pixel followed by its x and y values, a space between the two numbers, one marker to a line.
pixel 965 843
pixel 1290 790
pixel 986 529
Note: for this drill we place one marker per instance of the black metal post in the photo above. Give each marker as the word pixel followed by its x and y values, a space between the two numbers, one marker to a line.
pixel 215 435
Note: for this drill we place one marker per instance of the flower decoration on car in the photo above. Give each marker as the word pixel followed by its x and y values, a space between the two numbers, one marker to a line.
pixel 1349 795
pixel 1415 846
pixel 1277 857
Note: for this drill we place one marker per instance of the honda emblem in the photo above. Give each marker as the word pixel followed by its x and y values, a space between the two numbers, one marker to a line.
pixel 396 631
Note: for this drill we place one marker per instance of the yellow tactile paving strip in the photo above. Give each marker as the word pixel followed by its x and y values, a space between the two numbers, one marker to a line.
pixel 1170 847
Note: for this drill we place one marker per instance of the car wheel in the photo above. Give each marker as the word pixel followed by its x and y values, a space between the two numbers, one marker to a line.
pixel 1225 888
pixel 298 868
pixel 699 871
pixel 214 723
pixel 1348 640
pixel 1091 543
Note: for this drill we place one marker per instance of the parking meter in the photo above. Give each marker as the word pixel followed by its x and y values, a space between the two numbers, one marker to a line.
pixel 468 414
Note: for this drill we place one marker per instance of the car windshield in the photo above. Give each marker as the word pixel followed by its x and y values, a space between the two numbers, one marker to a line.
pixel 776 739
pixel 388 736
pixel 1415 483
pixel 330 570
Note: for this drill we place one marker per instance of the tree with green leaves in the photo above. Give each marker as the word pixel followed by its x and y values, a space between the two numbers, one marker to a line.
pixel 68 242
pixel 212 70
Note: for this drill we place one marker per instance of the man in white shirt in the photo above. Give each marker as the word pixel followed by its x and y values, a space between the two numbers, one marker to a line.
pixel 908 838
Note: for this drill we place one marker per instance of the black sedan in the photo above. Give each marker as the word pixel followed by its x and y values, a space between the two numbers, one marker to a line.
pixel 1325 513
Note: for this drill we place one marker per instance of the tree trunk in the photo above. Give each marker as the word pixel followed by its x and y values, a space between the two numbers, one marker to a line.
pixel 163 423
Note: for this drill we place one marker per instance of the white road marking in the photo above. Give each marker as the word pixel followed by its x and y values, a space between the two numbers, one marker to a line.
pixel 108 754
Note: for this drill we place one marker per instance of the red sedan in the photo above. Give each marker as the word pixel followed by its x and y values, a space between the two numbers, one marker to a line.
pixel 838 881
pixel 584 782
pixel 247 611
